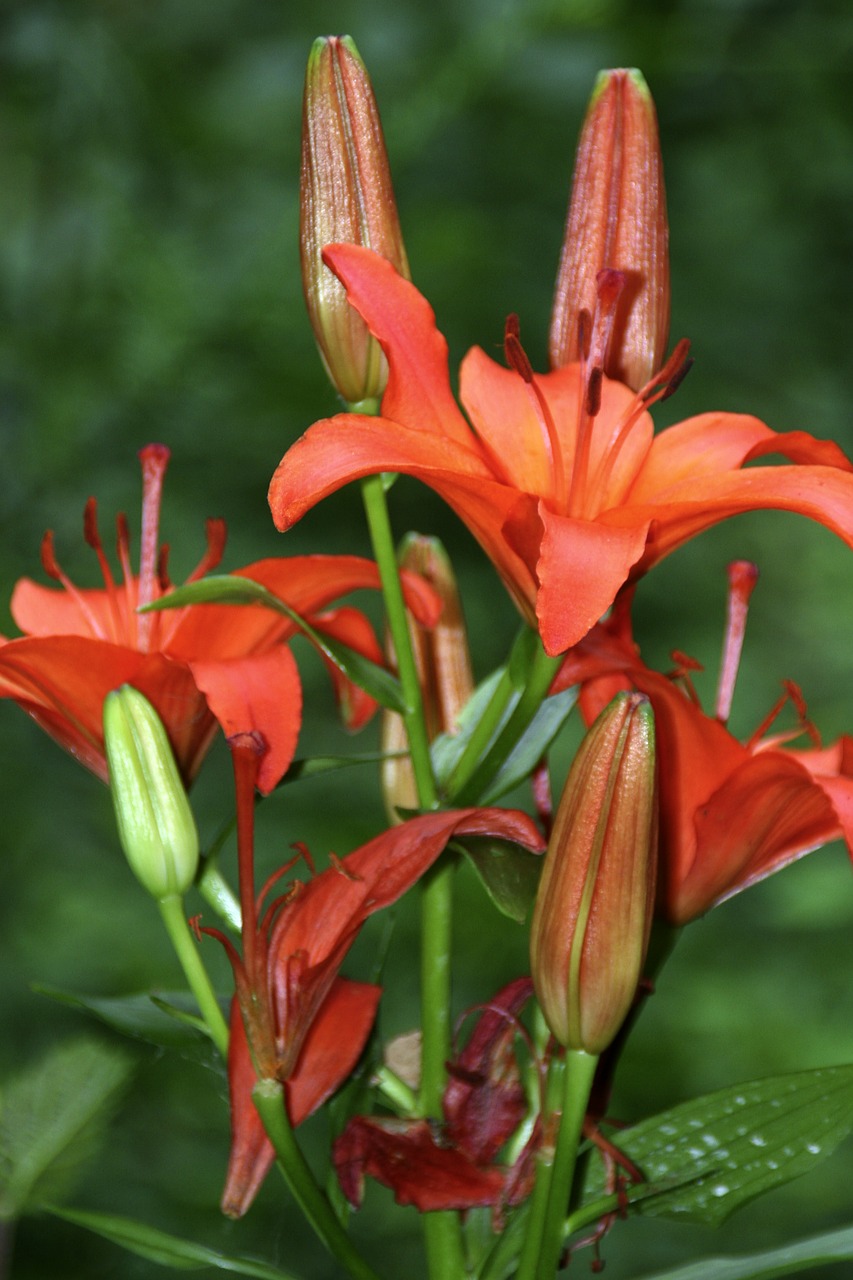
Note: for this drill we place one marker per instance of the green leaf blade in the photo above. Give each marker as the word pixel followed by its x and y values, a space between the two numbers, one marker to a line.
pixel 738 1143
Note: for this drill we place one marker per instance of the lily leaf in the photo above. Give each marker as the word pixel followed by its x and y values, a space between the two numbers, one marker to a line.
pixel 448 748
pixel 789 1260
pixel 167 1250
pixel 510 875
pixel 232 589
pixel 53 1114
pixel 165 1019
pixel 737 1143
pixel 532 744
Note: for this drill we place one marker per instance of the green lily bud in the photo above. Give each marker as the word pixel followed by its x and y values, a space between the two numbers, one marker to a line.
pixel 593 912
pixel 346 197
pixel 155 822
pixel 617 221
pixel 443 663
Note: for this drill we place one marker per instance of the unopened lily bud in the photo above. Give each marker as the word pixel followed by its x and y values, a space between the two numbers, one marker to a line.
pixel 155 822
pixel 346 197
pixel 594 904
pixel 444 668
pixel 617 221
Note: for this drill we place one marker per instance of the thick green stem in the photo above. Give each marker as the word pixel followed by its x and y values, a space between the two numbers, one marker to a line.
pixel 382 539
pixel 577 1084
pixel 268 1097
pixel 172 912
pixel 442 1231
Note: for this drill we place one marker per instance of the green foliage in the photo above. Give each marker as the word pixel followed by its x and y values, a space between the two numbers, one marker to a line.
pixel 167 1250
pixel 240 591
pixel 790 1260
pixel 52 1119
pixel 738 1143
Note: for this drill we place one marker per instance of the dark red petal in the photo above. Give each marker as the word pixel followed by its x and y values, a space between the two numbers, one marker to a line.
pixel 251 1150
pixel 484 1101
pixel 405 1156
pixel 332 1047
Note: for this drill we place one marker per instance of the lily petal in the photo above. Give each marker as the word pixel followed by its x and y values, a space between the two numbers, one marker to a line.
pixel 261 691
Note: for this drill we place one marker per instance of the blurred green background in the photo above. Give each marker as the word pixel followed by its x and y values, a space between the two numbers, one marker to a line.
pixel 148 204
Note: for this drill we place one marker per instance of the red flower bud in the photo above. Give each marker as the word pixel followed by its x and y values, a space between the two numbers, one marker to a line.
pixel 345 197
pixel 594 905
pixel 617 221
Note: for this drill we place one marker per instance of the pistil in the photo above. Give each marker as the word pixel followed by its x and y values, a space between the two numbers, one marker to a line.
pixel 743 576
pixel 154 459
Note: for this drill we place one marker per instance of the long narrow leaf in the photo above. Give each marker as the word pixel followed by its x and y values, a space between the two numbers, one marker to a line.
pixel 166 1250
pixel 789 1260
pixel 231 589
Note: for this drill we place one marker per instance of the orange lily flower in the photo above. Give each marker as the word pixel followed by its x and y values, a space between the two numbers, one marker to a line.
pixel 559 476
pixel 293 1018
pixel 731 813
pixel 197 665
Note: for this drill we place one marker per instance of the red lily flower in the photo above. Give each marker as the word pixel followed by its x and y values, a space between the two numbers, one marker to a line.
pixel 560 477
pixel 197 665
pixel 484 1104
pixel 731 813
pixel 302 1024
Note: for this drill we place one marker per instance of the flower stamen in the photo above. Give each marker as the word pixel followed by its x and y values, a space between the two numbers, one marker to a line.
pixel 52 568
pixel 517 359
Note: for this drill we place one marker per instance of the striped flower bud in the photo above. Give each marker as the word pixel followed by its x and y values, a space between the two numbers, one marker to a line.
pixel 616 221
pixel 345 198
pixel 155 822
pixel 594 905
pixel 444 668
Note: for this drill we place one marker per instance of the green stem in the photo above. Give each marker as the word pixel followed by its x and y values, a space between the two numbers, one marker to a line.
pixel 172 912
pixel 537 681
pixel 385 552
pixel 580 1070
pixel 442 1231
pixel 268 1096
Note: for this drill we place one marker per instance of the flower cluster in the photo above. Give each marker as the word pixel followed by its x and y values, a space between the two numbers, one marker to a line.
pixel 573 497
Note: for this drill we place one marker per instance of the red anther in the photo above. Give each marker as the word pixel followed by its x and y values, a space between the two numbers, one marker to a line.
pixel 90 524
pixel 593 391
pixel 48 559
pixel 677 378
pixel 216 533
pixel 194 923
pixel 163 569
pixel 667 379
pixel 305 854
pixel 798 702
pixel 516 356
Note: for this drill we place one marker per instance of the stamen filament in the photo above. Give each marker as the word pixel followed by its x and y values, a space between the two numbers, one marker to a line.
pixel 51 567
